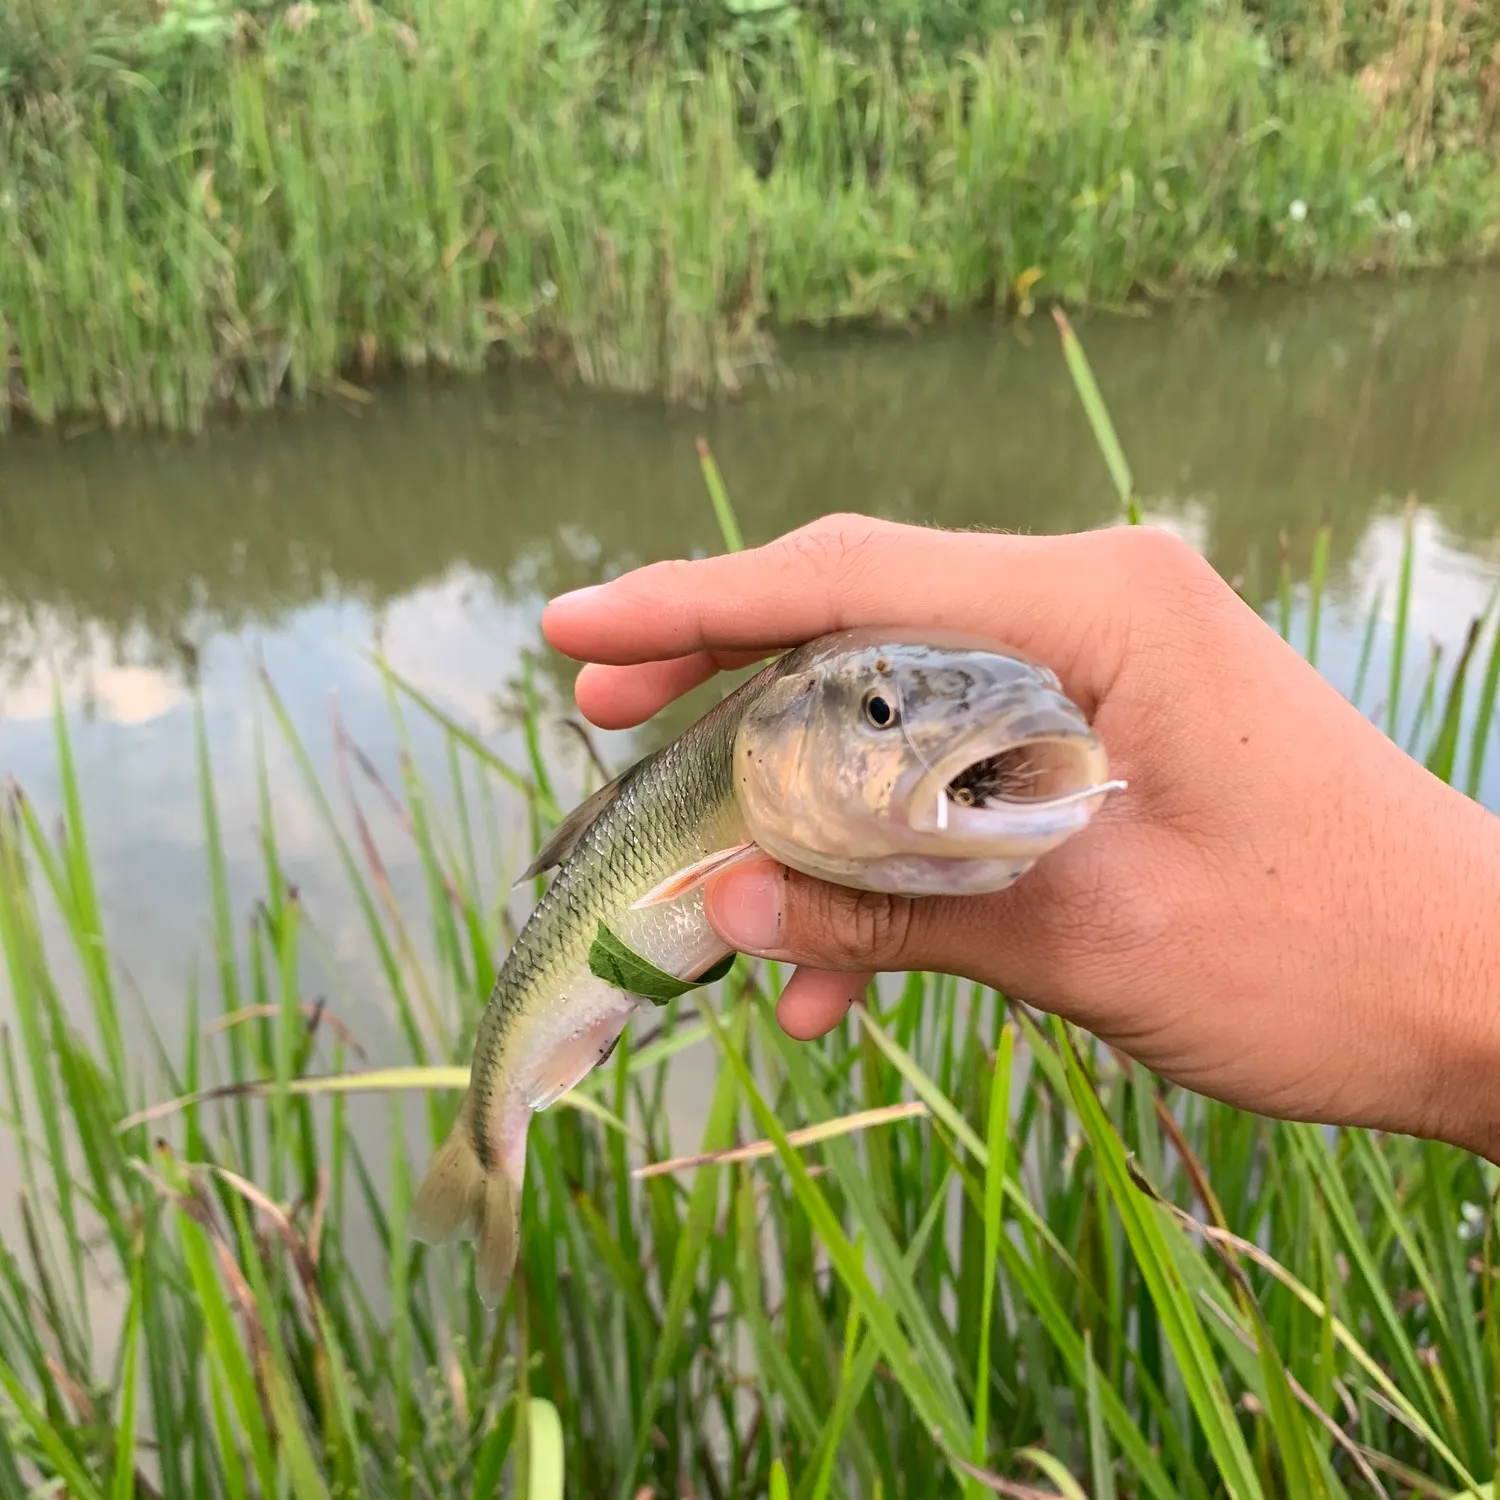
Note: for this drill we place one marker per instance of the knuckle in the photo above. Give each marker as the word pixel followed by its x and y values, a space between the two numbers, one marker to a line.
pixel 843 527
pixel 1154 555
pixel 1172 589
pixel 841 555
pixel 857 928
pixel 668 577
pixel 839 544
pixel 829 540
pixel 879 923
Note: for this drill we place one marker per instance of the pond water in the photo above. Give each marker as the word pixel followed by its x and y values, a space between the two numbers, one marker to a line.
pixel 439 515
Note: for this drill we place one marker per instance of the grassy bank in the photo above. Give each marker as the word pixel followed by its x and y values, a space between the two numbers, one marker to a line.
pixel 1006 1264
pixel 206 206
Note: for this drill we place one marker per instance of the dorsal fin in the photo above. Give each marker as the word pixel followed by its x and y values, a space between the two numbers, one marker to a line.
pixel 566 835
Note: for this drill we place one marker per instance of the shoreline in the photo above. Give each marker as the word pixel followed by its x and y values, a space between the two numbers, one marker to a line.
pixel 356 384
pixel 354 388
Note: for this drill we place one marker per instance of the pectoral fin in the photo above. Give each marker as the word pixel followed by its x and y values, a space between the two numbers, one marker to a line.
pixel 691 876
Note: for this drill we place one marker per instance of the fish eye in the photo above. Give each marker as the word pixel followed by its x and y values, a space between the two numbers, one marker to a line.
pixel 878 709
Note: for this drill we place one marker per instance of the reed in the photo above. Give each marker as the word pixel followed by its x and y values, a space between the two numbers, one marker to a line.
pixel 953 1249
pixel 234 208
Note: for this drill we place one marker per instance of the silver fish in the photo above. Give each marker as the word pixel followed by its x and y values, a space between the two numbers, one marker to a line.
pixel 911 762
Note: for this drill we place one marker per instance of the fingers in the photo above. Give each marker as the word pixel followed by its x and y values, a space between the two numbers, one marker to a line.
pixel 1046 940
pixel 619 697
pixel 1061 598
pixel 764 909
pixel 816 1000
pixel 615 697
pixel 1018 939
pixel 801 585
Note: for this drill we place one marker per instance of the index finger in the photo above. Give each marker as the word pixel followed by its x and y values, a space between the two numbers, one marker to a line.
pixel 764 599
pixel 1044 595
pixel 615 697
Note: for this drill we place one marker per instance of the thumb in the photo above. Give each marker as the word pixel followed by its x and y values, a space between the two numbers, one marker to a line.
pixel 766 910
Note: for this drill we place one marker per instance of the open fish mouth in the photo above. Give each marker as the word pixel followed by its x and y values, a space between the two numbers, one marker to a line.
pixel 1033 790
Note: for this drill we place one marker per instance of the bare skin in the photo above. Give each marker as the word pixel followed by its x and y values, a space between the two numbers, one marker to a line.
pixel 1283 911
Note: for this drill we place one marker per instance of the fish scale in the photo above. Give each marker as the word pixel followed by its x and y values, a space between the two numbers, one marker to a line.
pixel 628 849
pixel 840 760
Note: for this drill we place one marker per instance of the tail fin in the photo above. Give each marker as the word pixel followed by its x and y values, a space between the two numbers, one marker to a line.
pixel 458 1200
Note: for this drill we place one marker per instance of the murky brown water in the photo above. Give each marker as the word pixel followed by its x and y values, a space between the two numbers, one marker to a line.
pixel 443 515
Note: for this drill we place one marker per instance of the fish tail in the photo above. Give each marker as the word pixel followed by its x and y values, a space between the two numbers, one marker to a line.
pixel 449 1204
pixel 499 1238
pixel 459 1200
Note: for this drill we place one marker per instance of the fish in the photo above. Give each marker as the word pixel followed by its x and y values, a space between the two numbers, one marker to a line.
pixel 911 762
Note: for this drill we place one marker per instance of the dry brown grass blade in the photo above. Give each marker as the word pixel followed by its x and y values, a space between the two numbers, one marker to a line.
pixel 280 1221
pixel 1324 1420
pixel 393 803
pixel 379 875
pixel 826 1130
pixel 316 1013
pixel 1012 1489
pixel 377 1080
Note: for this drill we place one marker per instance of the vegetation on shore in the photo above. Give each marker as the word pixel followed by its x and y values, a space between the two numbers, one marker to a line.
pixel 960 1251
pixel 208 204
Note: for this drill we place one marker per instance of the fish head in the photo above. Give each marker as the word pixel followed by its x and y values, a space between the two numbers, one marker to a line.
pixel 915 762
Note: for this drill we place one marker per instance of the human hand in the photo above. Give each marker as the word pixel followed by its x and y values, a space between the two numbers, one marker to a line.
pixel 1283 911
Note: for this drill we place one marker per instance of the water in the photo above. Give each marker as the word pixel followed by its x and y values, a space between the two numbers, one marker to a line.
pixel 440 515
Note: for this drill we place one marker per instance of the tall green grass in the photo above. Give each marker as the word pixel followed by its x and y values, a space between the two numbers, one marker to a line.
pixel 239 207
pixel 951 1250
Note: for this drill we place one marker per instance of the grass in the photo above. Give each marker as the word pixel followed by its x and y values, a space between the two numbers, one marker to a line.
pixel 952 1250
pixel 230 207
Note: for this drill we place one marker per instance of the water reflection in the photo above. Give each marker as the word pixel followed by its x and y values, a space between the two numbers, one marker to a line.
pixel 444 513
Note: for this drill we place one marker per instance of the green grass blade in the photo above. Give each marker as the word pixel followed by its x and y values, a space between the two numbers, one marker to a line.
pixel 1068 1487
pixel 943 1419
pixel 1345 1338
pixel 691 1247
pixel 729 527
pixel 26 971
pixel 1367 644
pixel 1284 587
pixel 58 1454
pixel 1100 1463
pixel 780 1489
pixel 123 1486
pixel 1180 1320
pixel 928 1091
pixel 1317 579
pixel 1098 415
pixel 994 1198
pixel 1403 615
pixel 1442 758
pixel 546 1439
pixel 1317 1156
pixel 1484 717
pixel 469 741
pixel 85 920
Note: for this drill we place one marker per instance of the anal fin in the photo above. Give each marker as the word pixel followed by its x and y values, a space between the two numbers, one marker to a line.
pixel 569 1062
pixel 609 1051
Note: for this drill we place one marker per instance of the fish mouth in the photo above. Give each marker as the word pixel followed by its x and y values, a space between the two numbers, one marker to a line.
pixel 1015 795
